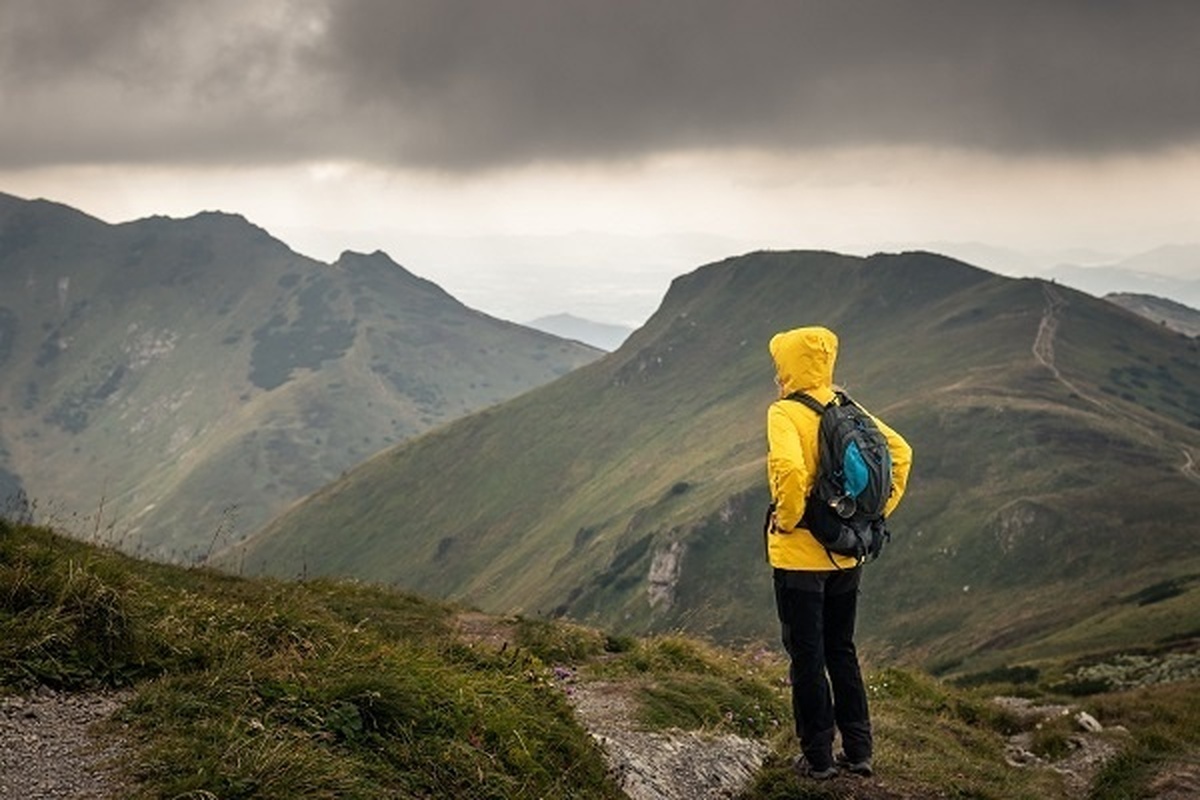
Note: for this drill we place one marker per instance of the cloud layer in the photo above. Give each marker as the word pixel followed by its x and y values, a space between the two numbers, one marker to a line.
pixel 460 85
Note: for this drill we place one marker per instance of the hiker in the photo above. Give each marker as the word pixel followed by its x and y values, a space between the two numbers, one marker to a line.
pixel 816 591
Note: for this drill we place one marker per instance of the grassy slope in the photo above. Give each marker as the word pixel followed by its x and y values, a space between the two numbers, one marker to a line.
pixel 327 689
pixel 565 499
pixel 1176 316
pixel 323 690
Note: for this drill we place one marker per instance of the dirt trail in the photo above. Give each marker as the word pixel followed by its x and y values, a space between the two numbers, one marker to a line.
pixel 647 765
pixel 49 749
pixel 1043 352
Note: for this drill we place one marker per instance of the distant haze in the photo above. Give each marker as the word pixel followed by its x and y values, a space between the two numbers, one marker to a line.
pixel 597 334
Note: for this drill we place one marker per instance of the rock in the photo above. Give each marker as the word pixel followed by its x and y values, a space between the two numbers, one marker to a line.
pixel 1017 756
pixel 664 765
pixel 1088 751
pixel 1027 712
pixel 681 765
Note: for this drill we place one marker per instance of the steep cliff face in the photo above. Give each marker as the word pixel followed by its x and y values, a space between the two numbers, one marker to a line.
pixel 663 578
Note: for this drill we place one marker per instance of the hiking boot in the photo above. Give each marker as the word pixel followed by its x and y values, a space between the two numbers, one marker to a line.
pixel 862 768
pixel 805 769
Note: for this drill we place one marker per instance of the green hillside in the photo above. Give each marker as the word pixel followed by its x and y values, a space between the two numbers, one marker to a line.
pixel 235 688
pixel 169 385
pixel 1176 316
pixel 1055 437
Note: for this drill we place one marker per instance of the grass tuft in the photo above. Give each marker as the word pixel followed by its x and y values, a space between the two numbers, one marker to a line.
pixel 1164 724
pixel 64 623
pixel 272 690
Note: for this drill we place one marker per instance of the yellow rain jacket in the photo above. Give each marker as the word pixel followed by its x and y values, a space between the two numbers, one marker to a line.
pixel 804 360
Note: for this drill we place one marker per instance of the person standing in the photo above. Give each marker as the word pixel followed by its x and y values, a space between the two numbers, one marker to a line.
pixel 816 592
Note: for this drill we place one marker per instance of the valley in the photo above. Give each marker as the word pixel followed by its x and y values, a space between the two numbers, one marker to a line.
pixel 171 386
pixel 351 428
pixel 632 489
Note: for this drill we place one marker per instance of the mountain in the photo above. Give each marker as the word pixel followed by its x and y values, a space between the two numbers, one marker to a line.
pixel 1006 260
pixel 1176 316
pixel 1177 260
pixel 168 385
pixel 1171 272
pixel 598 334
pixel 1052 504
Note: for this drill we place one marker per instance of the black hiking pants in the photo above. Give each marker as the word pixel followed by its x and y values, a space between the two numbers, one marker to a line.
pixel 817 612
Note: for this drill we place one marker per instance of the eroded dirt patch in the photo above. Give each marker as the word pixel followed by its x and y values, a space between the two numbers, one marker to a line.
pixel 663 765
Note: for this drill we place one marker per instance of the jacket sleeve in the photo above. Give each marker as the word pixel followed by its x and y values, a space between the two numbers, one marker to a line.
pixel 788 471
pixel 901 464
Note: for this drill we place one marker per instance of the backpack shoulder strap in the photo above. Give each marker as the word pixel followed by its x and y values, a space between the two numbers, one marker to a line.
pixel 808 400
pixel 842 399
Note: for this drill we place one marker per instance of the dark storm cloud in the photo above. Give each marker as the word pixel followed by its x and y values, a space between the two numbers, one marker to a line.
pixel 453 84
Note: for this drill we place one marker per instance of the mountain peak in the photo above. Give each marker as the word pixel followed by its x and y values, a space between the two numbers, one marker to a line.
pixel 41 210
pixel 218 217
pixel 375 262
pixel 353 257
pixel 259 372
pixel 380 264
pixel 206 223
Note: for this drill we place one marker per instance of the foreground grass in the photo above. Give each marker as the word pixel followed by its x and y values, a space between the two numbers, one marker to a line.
pixel 272 690
pixel 1164 723
pixel 930 741
pixel 267 689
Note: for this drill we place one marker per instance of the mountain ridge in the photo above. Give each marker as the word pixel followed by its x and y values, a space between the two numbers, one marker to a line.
pixel 632 489
pixel 168 383
pixel 1176 316
pixel 606 336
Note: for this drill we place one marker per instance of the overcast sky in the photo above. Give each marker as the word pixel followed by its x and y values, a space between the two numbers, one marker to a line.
pixel 535 156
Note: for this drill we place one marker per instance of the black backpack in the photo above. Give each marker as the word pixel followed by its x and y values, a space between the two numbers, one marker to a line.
pixel 844 511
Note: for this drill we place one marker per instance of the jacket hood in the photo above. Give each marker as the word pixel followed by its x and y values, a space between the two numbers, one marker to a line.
pixel 804 358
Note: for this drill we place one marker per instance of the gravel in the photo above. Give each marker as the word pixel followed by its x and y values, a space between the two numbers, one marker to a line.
pixel 50 748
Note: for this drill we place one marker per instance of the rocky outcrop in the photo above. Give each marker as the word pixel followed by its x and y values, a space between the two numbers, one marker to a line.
pixel 664 765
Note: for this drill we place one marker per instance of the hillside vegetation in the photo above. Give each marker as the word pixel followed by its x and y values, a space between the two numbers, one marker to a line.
pixel 1176 316
pixel 265 689
pixel 320 689
pixel 168 384
pixel 1056 439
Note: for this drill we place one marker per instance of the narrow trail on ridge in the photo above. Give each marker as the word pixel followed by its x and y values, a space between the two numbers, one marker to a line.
pixel 1043 352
